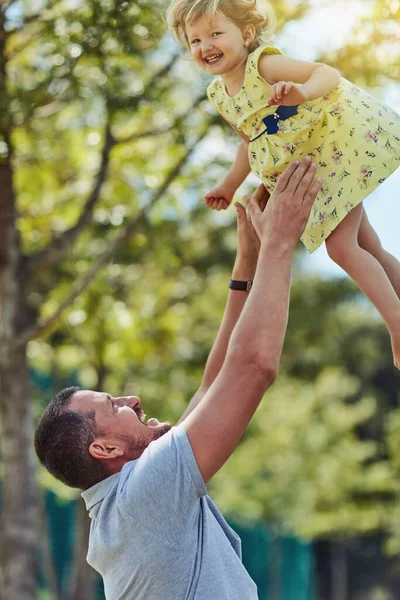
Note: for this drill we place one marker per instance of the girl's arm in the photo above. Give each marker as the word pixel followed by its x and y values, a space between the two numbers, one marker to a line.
pixel 285 74
pixel 239 169
pixel 221 196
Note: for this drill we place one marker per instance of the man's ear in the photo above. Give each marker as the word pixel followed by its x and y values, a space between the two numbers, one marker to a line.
pixel 103 450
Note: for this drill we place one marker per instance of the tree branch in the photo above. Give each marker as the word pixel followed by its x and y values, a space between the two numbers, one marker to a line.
pixel 161 130
pixel 160 74
pixel 7 200
pixel 60 244
pixel 80 284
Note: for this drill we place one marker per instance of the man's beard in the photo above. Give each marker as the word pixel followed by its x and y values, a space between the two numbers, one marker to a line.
pixel 136 446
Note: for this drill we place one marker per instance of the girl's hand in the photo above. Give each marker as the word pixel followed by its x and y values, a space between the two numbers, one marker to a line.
pixel 287 93
pixel 220 197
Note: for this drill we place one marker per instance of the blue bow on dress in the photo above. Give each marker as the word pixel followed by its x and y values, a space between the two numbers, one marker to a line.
pixel 281 114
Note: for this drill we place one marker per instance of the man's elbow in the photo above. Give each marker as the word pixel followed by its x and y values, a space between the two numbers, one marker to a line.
pixel 258 366
pixel 263 376
pixel 268 371
pixel 263 368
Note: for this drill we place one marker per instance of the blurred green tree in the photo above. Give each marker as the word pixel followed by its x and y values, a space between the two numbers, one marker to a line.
pixel 88 116
pixel 101 125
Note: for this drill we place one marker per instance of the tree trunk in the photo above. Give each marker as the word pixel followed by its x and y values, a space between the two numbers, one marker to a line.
pixel 18 517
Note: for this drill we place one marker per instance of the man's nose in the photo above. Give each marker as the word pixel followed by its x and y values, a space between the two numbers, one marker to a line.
pixel 131 401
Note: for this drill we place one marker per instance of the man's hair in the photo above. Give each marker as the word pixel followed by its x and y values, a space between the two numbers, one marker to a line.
pixel 240 12
pixel 62 440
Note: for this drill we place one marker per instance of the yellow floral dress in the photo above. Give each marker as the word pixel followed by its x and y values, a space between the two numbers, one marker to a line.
pixel 354 139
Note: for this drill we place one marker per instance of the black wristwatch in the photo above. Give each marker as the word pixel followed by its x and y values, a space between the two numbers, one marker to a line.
pixel 243 286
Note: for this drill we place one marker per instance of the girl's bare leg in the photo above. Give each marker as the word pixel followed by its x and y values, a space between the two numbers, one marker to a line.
pixel 368 239
pixel 367 272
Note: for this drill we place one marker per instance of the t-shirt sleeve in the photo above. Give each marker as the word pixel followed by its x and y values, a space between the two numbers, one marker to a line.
pixel 162 489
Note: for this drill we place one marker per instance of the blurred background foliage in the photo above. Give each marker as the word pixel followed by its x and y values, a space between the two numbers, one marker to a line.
pixel 111 131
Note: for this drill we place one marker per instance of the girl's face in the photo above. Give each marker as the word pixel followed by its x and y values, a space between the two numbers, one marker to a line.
pixel 217 45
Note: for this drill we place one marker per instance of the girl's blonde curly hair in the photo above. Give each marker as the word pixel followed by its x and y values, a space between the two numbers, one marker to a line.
pixel 240 12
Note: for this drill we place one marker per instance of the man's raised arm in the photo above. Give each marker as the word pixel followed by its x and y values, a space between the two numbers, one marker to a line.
pixel 248 247
pixel 219 420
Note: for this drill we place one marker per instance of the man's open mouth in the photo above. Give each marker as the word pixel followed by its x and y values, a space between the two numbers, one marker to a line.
pixel 142 418
pixel 140 414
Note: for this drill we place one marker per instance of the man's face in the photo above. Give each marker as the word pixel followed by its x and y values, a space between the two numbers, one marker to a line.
pixel 121 421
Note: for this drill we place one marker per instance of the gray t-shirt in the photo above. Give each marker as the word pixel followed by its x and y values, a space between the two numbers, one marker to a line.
pixel 156 535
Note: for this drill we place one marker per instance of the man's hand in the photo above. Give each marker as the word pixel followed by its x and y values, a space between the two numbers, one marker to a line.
pixel 288 208
pixel 248 243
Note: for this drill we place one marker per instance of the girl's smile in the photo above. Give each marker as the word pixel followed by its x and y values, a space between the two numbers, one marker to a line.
pixel 217 45
pixel 214 58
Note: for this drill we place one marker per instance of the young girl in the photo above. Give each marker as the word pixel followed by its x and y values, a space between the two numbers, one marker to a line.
pixel 286 109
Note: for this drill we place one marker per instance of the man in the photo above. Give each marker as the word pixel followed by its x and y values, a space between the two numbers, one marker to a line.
pixel 155 534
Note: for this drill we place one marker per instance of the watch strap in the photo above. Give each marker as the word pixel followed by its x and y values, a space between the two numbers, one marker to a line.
pixel 244 286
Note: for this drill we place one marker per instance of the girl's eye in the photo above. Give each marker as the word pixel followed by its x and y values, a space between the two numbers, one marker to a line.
pixel 195 41
pixel 216 33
